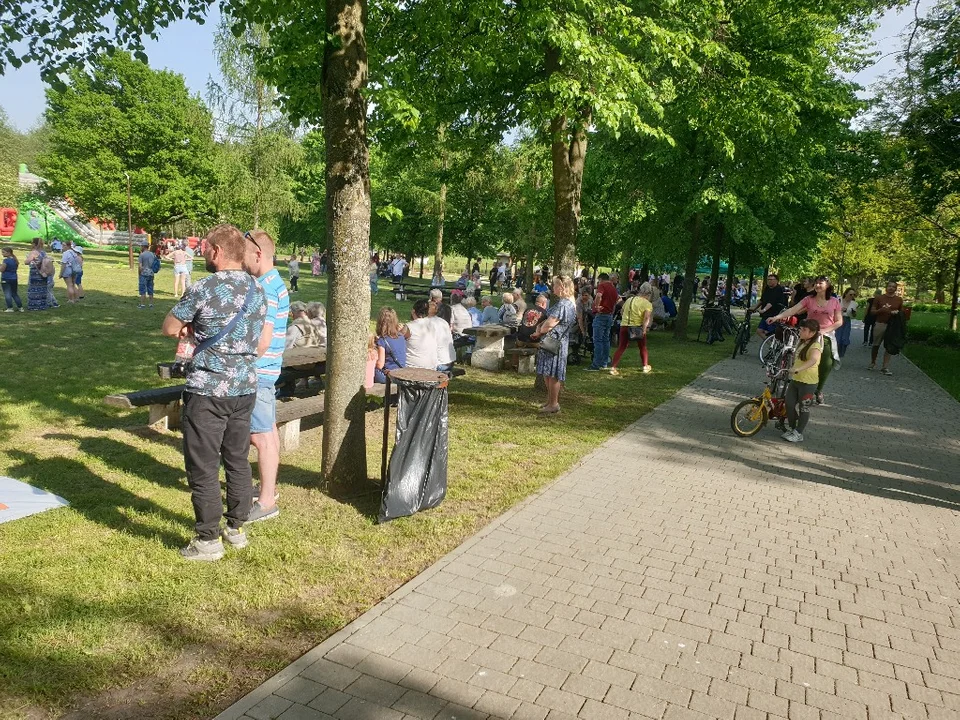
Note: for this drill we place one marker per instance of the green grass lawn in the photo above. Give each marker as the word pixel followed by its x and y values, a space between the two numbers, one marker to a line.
pixel 97 609
pixel 940 363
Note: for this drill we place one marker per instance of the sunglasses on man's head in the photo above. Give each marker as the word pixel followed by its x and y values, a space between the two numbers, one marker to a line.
pixel 250 237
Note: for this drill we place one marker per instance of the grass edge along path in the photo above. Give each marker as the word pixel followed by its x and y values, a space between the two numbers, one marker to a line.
pixel 99 617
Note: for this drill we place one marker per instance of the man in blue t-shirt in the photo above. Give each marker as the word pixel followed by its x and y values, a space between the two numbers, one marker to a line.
pixel 221 390
pixel 258 261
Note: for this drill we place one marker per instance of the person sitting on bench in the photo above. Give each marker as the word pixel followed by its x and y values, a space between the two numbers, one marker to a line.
pixel 534 315
pixel 429 340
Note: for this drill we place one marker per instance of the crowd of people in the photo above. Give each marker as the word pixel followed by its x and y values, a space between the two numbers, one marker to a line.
pixel 42 273
pixel 239 321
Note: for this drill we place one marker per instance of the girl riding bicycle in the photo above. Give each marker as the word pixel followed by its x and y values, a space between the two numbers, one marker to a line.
pixel 803 386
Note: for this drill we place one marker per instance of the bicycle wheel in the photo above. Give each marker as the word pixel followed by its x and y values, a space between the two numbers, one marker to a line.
pixel 748 418
pixel 741 340
pixel 770 350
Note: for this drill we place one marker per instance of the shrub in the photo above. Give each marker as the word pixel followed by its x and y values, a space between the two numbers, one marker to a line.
pixel 937 337
pixel 930 307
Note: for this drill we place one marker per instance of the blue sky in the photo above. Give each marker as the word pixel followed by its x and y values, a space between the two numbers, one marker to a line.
pixel 187 48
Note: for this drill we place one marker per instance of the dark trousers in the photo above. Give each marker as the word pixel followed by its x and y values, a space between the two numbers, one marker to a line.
pixel 10 293
pixel 868 323
pixel 294 279
pixel 799 401
pixel 217 430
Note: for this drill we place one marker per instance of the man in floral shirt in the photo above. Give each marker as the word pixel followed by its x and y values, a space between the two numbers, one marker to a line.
pixel 221 390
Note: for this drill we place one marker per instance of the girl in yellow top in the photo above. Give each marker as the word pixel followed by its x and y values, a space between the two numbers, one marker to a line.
pixel 805 374
pixel 637 313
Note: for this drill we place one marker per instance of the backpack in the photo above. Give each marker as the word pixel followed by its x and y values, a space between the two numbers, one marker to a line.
pixel 156 265
pixel 47 268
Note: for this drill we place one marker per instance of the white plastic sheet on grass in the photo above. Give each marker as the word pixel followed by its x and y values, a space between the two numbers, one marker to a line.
pixel 19 500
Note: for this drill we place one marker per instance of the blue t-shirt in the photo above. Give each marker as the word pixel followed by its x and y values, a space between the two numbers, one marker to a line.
pixel 278 311
pixel 669 305
pixel 541 288
pixel 395 352
pixel 228 368
pixel 10 265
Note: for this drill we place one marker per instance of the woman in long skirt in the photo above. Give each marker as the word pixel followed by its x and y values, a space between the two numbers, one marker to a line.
pixel 38 293
pixel 558 323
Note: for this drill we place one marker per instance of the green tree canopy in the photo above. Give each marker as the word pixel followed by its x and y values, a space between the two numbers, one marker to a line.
pixel 125 118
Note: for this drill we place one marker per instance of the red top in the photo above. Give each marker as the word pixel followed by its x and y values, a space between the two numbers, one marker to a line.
pixel 606 299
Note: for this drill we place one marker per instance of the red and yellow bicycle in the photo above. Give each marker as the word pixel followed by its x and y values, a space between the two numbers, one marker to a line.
pixel 750 416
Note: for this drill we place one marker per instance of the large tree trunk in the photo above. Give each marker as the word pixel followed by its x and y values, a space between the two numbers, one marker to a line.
pixel 730 276
pixel 569 150
pixel 344 463
pixel 568 145
pixel 715 269
pixel 626 262
pixel 689 275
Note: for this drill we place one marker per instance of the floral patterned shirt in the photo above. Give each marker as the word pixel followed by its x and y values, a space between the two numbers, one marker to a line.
pixel 228 368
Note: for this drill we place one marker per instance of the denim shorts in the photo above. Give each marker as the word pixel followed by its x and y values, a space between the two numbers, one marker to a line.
pixel 264 414
pixel 767 327
pixel 146 285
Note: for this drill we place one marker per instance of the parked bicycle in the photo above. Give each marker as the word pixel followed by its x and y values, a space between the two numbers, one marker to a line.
pixel 742 338
pixel 750 416
pixel 717 321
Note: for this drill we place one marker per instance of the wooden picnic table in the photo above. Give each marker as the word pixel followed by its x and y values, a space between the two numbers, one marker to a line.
pixel 302 361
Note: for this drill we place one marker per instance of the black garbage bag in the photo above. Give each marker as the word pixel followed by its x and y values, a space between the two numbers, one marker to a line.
pixel 417 477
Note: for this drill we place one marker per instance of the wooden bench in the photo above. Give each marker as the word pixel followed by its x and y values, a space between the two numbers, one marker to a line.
pixel 405 291
pixel 163 404
pixel 524 360
pixel 291 411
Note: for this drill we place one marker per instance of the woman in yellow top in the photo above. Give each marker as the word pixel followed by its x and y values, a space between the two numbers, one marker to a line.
pixel 638 314
pixel 805 374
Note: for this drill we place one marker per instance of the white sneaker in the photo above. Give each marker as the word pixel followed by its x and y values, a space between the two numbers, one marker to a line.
pixel 788 434
pixel 795 437
pixel 9 310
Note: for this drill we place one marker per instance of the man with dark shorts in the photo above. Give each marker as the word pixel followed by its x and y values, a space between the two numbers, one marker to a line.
pixel 263 422
pixel 881 310
pixel 224 313
pixel 772 302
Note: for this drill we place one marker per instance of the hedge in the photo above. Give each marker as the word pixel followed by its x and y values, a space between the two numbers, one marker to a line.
pixel 937 337
pixel 931 307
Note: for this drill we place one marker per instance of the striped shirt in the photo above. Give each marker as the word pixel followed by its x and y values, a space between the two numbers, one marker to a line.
pixel 278 309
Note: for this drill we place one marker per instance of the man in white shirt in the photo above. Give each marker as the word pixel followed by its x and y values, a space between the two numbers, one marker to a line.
pixel 429 340
pixel 398 268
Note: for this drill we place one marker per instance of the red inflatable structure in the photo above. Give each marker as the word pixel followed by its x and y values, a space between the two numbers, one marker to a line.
pixel 8 221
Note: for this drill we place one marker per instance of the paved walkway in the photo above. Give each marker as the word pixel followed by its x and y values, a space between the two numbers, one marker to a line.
pixel 681 573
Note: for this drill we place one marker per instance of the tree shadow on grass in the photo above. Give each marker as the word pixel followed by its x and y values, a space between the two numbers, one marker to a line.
pixel 127 459
pixel 73 675
pixel 100 501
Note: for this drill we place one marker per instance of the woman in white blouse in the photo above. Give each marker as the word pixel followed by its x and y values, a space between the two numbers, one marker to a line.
pixel 848 304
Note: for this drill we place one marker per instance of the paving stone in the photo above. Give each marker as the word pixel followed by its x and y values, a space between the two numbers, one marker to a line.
pixel 329 701
pixel 270 708
pixel 419 705
pixel 680 573
pixel 301 712
pixel 300 690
